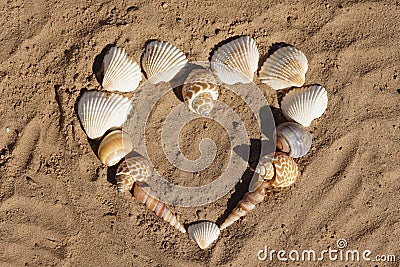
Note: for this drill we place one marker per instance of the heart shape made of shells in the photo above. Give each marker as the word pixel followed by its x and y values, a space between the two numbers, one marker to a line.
pixel 233 62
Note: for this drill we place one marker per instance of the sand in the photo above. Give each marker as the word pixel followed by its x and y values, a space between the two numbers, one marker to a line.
pixel 58 203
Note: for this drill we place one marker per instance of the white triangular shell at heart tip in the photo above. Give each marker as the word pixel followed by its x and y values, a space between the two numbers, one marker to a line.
pixel 162 61
pixel 204 233
pixel 305 104
pixel 285 68
pixel 236 61
pixel 99 112
pixel 120 72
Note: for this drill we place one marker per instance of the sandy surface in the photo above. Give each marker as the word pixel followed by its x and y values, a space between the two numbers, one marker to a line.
pixel 57 206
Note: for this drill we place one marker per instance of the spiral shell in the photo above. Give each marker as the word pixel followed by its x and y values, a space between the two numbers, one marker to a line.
pixel 199 91
pixel 132 169
pixel 162 61
pixel 249 201
pixel 236 61
pixel 293 139
pixel 274 170
pixel 285 68
pixel 153 203
pixel 114 147
pixel 285 168
pixel 120 72
pixel 305 104
pixel 204 233
pixel 99 112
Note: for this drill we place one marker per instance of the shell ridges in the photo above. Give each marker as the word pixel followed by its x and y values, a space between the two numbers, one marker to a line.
pixel 120 72
pixel 236 61
pixel 99 112
pixel 285 68
pixel 162 61
pixel 204 233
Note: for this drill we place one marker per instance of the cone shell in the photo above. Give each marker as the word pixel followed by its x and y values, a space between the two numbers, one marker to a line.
pixel 236 61
pixel 305 104
pixel 199 91
pixel 162 61
pixel 153 203
pixel 249 201
pixel 99 112
pixel 204 233
pixel 293 139
pixel 114 147
pixel 132 169
pixel 285 169
pixel 285 68
pixel 120 73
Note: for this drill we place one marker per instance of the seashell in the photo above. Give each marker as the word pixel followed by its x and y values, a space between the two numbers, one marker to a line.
pixel 99 112
pixel 199 91
pixel 153 203
pixel 120 73
pixel 236 61
pixel 162 61
pixel 132 169
pixel 285 169
pixel 114 147
pixel 285 68
pixel 204 233
pixel 305 104
pixel 293 139
pixel 274 170
pixel 249 201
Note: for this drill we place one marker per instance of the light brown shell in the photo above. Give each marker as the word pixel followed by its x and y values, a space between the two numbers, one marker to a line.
pixel 132 169
pixel 153 203
pixel 114 147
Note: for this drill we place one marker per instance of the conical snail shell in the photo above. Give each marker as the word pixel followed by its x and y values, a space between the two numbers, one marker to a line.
pixel 114 147
pixel 293 139
pixel 249 201
pixel 286 171
pixel 132 169
pixel 199 91
pixel 275 170
pixel 153 203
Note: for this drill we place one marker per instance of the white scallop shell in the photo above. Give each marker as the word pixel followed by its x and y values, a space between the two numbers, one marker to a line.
pixel 305 104
pixel 162 61
pixel 204 233
pixel 99 112
pixel 285 68
pixel 120 72
pixel 236 61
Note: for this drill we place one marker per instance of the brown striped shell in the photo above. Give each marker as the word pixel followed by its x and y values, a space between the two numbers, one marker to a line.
pixel 114 147
pixel 199 91
pixel 132 169
pixel 275 170
pixel 153 203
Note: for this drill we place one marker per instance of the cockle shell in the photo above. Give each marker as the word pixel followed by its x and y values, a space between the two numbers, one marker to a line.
pixel 274 170
pixel 153 203
pixel 285 68
pixel 285 169
pixel 120 73
pixel 114 147
pixel 293 139
pixel 99 112
pixel 305 104
pixel 132 169
pixel 199 91
pixel 162 61
pixel 204 233
pixel 236 61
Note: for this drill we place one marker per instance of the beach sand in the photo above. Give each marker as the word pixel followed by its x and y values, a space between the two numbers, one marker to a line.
pixel 58 204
